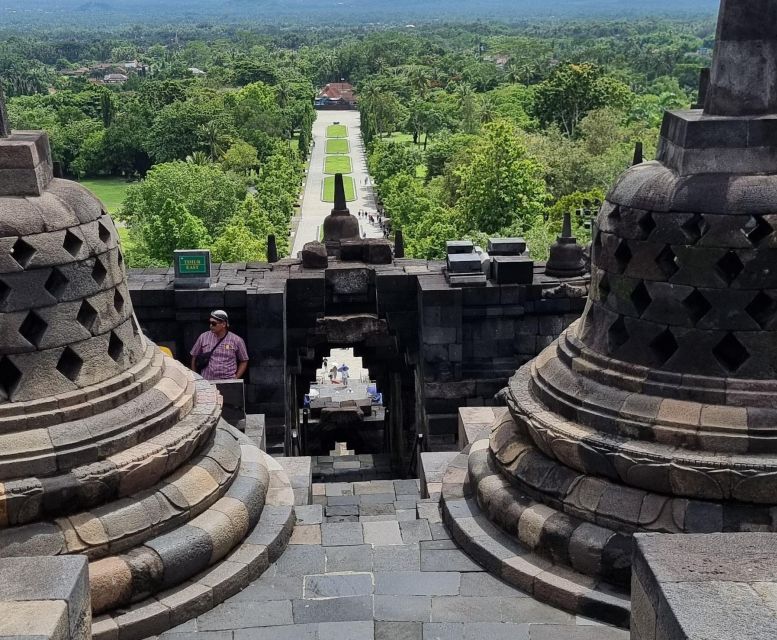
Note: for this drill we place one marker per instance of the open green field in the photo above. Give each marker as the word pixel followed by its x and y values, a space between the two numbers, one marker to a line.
pixel 337 146
pixel 398 138
pixel 110 191
pixel 337 131
pixel 337 164
pixel 329 189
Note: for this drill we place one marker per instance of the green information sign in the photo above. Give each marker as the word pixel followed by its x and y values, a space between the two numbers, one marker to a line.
pixel 193 265
pixel 192 268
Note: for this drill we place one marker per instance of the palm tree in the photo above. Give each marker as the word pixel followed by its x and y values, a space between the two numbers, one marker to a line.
pixel 419 80
pixel 214 139
pixel 198 157
pixel 487 109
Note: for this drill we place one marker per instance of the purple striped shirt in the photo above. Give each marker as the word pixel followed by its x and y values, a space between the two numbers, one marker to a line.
pixel 223 361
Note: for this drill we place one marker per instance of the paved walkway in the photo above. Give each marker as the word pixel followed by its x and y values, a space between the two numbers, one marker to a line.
pixel 373 561
pixel 314 210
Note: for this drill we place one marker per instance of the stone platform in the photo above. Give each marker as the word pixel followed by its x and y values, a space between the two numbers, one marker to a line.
pixel 374 561
pixel 711 587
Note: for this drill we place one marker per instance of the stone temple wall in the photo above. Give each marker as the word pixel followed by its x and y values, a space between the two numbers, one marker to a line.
pixel 463 342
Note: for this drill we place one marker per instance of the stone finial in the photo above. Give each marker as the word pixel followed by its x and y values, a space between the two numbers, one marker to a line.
pixel 340 204
pixel 743 81
pixel 5 126
pixel 566 225
pixel 399 244
pixel 638 157
pixel 272 249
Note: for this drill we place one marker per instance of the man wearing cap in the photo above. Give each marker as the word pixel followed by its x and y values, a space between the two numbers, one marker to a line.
pixel 219 354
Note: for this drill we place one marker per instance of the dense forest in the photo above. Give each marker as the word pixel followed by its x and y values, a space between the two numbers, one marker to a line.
pixel 472 129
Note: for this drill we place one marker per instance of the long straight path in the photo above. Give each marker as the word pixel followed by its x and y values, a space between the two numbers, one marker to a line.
pixel 314 209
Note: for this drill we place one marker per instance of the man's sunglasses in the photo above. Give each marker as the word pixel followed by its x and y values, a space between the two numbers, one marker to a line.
pixel 213 323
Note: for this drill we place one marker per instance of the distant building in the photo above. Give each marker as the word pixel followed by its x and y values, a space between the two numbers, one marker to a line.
pixel 336 95
pixel 115 78
pixel 81 71
pixel 196 72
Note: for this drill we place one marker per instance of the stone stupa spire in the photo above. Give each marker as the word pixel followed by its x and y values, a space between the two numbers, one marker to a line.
pixel 340 202
pixel 743 77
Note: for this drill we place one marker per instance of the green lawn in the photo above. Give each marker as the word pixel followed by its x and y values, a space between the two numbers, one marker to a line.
pixel 337 164
pixel 337 146
pixel 398 137
pixel 329 189
pixel 110 191
pixel 337 131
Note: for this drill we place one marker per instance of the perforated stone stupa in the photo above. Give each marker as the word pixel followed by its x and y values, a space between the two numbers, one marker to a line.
pixel 107 447
pixel 657 410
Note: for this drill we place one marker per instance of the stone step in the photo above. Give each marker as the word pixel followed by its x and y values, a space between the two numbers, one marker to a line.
pixel 515 563
pixel 652 466
pixel 125 523
pixel 168 560
pixel 202 591
pixel 128 472
pixel 59 448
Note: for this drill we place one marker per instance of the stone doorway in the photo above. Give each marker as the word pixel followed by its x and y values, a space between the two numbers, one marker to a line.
pixel 342 413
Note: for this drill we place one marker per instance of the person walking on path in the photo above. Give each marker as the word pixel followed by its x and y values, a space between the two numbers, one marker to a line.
pixel 219 354
pixel 344 375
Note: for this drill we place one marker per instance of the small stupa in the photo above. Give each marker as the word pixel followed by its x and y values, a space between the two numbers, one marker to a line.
pixel 339 225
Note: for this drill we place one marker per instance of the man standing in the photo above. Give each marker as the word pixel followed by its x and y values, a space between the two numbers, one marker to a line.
pixel 219 354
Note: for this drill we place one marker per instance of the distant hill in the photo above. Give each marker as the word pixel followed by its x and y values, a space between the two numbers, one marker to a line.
pixel 393 11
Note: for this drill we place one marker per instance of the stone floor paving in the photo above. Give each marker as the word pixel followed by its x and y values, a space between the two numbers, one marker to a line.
pixel 373 561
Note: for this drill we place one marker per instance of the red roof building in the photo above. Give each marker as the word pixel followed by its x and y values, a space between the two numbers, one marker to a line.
pixel 336 93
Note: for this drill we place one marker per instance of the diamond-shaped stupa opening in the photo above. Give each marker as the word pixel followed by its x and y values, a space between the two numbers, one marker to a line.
pixel 115 347
pixel 762 309
pixel 5 292
pixel 103 232
pixel 32 328
pixel 69 364
pixel 617 335
pixel 640 298
pixel 663 346
pixel 646 224
pixel 757 230
pixel 72 243
pixel 667 262
pixel 694 228
pixel 98 271
pixel 731 353
pixel 622 256
pixel 696 305
pixel 87 316
pixel 729 267
pixel 10 376
pixel 56 283
pixel 22 252
pixel 118 301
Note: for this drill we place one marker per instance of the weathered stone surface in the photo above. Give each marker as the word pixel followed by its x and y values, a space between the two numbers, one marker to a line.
pixel 45 596
pixel 314 256
pixel 681 582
